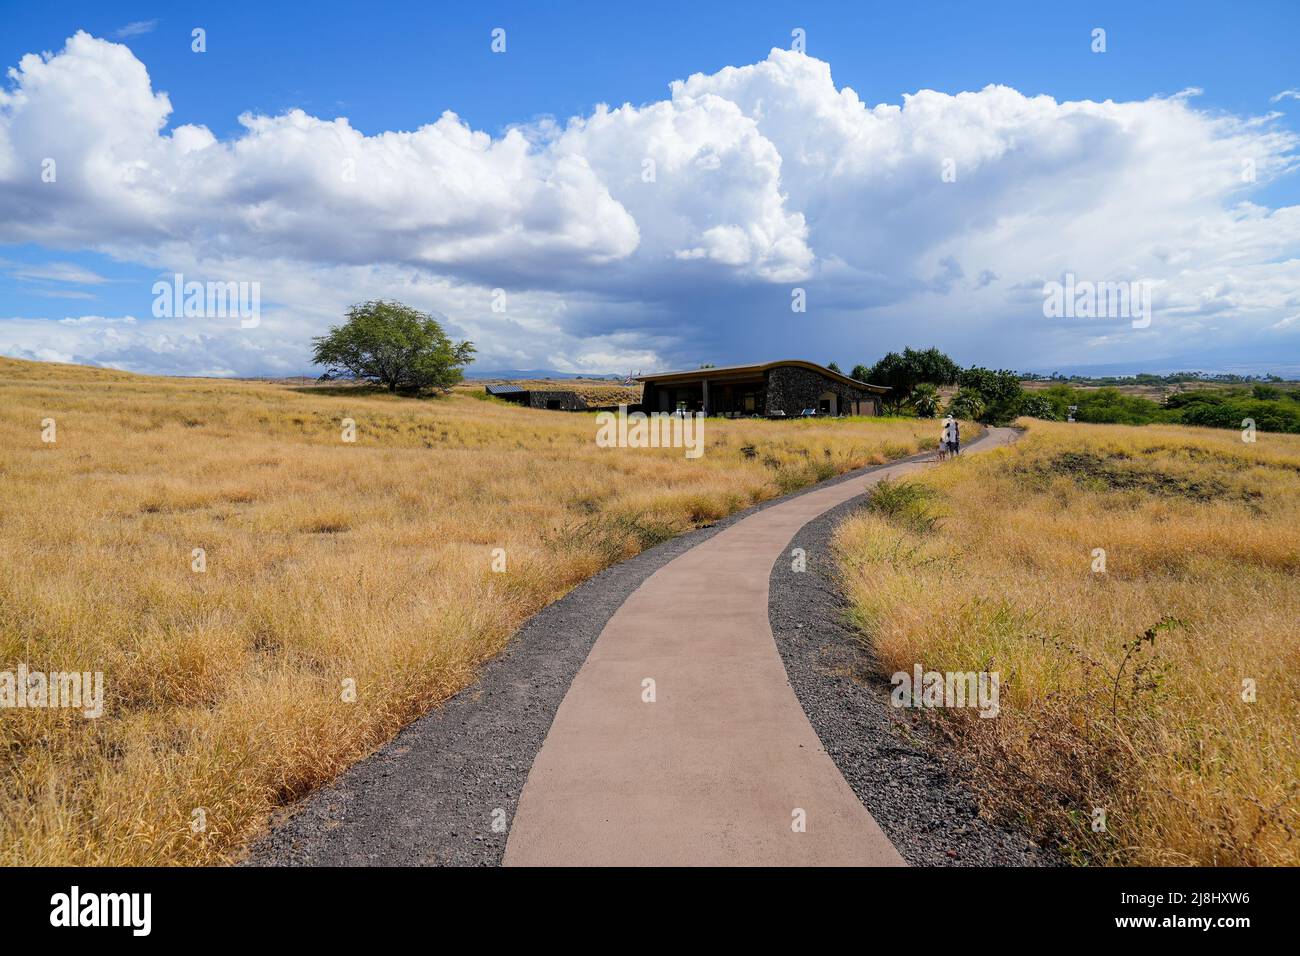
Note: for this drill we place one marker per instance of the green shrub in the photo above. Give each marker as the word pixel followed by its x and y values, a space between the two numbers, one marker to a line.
pixel 1267 393
pixel 1038 406
pixel 1269 416
pixel 968 404
pixel 905 503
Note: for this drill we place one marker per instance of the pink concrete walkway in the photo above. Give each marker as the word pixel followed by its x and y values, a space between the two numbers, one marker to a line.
pixel 721 766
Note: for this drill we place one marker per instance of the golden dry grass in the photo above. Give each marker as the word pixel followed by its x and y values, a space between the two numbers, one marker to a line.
pixel 326 561
pixel 1197 526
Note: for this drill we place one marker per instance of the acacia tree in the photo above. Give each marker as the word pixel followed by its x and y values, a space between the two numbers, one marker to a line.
pixel 393 345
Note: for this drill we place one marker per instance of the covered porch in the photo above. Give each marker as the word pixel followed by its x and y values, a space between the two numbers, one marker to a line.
pixel 726 397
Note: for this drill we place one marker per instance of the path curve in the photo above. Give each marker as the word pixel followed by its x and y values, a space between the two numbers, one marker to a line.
pixel 723 765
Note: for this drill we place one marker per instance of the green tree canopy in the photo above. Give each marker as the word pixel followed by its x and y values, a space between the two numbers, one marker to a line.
pixel 902 372
pixel 1000 392
pixel 393 345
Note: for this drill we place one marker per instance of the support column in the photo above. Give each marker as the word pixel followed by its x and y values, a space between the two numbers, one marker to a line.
pixel 706 397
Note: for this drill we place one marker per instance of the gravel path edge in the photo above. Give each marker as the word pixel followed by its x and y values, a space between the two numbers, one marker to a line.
pixel 884 753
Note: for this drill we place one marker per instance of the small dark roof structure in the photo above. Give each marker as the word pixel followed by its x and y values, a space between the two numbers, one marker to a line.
pixel 759 369
pixel 550 398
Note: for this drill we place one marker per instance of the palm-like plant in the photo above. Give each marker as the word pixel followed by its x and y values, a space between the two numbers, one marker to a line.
pixel 925 398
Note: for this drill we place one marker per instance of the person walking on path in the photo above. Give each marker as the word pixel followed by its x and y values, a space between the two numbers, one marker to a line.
pixel 951 435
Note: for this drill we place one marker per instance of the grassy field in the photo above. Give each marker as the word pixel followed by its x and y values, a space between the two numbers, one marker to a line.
pixel 328 564
pixel 1123 690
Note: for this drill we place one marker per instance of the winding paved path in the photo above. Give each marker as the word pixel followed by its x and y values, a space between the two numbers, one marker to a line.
pixel 723 764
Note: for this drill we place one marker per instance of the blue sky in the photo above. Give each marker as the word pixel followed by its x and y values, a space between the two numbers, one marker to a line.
pixel 637 285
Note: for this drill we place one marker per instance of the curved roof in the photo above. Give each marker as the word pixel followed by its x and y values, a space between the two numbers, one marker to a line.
pixel 732 370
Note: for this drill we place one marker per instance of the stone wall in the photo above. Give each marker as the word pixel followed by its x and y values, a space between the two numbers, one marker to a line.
pixel 792 389
pixel 568 401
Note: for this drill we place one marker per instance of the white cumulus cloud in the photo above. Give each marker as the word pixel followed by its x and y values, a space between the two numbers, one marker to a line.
pixel 668 232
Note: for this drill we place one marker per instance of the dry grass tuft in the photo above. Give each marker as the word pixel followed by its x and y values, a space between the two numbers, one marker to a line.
pixel 1121 690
